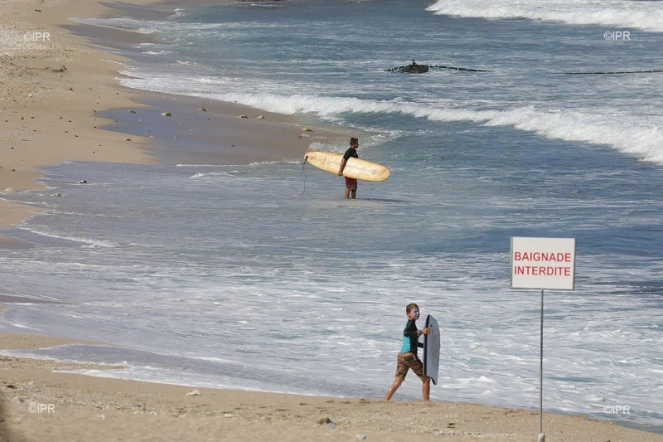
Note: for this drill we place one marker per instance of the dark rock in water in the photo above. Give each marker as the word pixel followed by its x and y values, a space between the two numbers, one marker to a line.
pixel 412 68
pixel 415 69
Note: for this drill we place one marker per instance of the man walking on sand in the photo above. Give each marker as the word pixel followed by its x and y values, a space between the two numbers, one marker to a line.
pixel 350 183
pixel 407 358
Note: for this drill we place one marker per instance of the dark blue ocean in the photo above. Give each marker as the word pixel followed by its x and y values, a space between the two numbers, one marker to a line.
pixel 228 276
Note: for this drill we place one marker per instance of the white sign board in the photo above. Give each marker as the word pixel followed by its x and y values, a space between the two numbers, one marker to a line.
pixel 543 263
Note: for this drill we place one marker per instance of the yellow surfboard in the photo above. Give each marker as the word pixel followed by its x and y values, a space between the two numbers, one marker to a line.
pixel 355 168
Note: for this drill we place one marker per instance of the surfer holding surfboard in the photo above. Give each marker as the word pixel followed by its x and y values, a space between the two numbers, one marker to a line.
pixel 348 165
pixel 407 358
pixel 350 183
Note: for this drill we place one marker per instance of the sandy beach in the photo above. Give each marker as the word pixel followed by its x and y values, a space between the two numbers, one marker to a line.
pixel 57 95
pixel 43 402
pixel 51 86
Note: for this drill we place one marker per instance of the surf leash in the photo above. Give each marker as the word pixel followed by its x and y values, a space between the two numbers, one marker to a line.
pixel 456 68
pixel 304 172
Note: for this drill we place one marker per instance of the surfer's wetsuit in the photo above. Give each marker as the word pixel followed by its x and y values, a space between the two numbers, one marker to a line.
pixel 410 338
pixel 407 358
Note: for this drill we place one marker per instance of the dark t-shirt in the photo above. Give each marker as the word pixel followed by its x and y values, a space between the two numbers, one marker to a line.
pixel 350 153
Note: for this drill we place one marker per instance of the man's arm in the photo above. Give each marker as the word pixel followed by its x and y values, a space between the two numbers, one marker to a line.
pixel 340 170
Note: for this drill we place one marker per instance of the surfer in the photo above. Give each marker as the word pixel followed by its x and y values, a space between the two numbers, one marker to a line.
pixel 407 358
pixel 350 183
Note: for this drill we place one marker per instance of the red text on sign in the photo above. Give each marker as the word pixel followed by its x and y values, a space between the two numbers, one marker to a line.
pixel 542 270
pixel 542 256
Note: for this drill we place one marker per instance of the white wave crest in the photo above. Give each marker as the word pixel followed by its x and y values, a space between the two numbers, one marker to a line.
pixel 150 27
pixel 178 12
pixel 198 165
pixel 647 16
pixel 638 135
pixel 88 241
pixel 628 134
pixel 211 174
pixel 262 163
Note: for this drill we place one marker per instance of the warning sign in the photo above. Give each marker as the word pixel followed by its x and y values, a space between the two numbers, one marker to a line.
pixel 543 263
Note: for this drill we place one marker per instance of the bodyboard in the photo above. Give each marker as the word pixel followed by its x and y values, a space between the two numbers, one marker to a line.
pixel 355 168
pixel 432 349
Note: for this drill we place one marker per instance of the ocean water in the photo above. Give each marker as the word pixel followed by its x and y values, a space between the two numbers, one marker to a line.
pixel 261 276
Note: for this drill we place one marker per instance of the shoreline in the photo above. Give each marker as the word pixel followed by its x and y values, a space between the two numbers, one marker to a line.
pixel 46 106
pixel 206 132
pixel 67 92
pixel 114 409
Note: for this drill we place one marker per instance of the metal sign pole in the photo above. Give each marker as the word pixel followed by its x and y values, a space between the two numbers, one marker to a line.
pixel 542 264
pixel 542 436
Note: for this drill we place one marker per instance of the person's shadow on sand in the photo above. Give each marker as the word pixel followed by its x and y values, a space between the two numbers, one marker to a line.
pixel 5 434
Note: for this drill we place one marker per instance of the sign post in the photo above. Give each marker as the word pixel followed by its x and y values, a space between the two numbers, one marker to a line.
pixel 542 263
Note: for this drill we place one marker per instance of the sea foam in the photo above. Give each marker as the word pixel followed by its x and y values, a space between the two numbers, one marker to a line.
pixel 647 16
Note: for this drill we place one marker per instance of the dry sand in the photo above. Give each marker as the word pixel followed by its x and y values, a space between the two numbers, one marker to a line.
pixel 52 95
pixel 43 405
